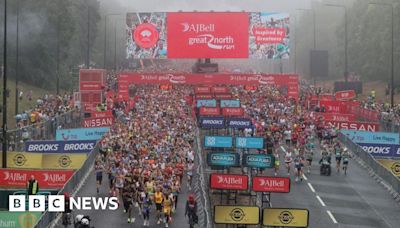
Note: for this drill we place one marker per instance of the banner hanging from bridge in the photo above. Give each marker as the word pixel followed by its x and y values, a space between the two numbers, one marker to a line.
pixel 160 35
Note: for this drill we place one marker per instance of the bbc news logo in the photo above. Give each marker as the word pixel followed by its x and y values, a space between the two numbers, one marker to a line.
pixel 56 203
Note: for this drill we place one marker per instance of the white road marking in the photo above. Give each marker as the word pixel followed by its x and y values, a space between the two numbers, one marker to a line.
pixel 320 200
pixel 311 187
pixel 304 176
pixel 333 218
pixel 283 148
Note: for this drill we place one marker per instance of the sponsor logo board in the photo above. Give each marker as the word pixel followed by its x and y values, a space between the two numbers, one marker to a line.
pixel 236 215
pixel 228 181
pixel 271 184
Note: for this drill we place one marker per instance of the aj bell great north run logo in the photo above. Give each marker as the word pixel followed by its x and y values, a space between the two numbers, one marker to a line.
pixel 64 161
pixel 396 168
pixel 56 203
pixel 19 160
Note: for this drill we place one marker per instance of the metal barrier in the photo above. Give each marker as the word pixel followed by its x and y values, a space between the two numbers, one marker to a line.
pixel 389 126
pixel 71 186
pixel 381 171
pixel 43 131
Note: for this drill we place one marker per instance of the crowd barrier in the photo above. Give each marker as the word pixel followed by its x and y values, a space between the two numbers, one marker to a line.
pixel 379 169
pixel 42 131
pixel 71 186
pixel 389 126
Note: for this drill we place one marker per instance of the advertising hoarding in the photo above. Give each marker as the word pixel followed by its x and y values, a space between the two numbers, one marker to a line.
pixel 225 159
pixel 80 146
pixel 206 103
pixel 212 122
pixel 236 215
pixel 372 137
pixel 239 123
pixel 218 141
pixel 354 125
pixel 81 133
pixel 261 161
pixel 228 181
pixel 17 178
pixel 250 142
pixel 271 184
pixel 230 103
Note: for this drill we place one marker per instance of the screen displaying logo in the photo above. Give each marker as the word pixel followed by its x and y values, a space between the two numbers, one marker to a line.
pixel 261 161
pixel 145 35
pixel 218 141
pixel 249 142
pixel 223 159
pixel 228 181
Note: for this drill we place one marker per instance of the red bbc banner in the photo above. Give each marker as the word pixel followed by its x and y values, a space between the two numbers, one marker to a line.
pixel 208 35
pixel 232 111
pixel 354 125
pixel 268 35
pixel 48 179
pixel 337 116
pixel 198 90
pixel 98 122
pixel 250 88
pixel 271 184
pixel 228 181
pixel 345 95
pixel 204 96
pixel 223 96
pixel 92 86
pixel 209 111
pixel 102 114
pixel 220 90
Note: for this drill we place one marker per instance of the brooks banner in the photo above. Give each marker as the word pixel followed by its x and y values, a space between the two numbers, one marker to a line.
pixel 381 150
pixel 212 122
pixel 82 146
pixel 239 123
pixel 81 133
pixel 17 178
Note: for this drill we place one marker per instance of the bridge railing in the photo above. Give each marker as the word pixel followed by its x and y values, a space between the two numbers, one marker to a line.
pixel 380 170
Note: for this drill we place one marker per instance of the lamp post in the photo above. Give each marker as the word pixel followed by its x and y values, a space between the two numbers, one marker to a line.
pixel 88 36
pixel 346 70
pixel 392 62
pixel 4 130
pixel 17 62
pixel 105 37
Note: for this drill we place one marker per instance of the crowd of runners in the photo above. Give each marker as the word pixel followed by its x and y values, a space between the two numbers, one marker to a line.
pixel 149 155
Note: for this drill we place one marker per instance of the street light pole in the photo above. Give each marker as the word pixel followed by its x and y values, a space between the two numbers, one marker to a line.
pixel 88 35
pixel 17 63
pixel 392 67
pixel 115 45
pixel 4 130
pixel 58 57
pixel 105 37
pixel 346 70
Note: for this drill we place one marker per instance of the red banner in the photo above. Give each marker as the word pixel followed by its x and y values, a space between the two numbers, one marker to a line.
pixel 18 178
pixel 208 35
pixel 166 87
pixel 250 88
pixel 92 79
pixel 209 111
pixel 271 184
pixel 198 90
pixel 92 86
pixel 204 96
pixel 223 96
pixel 326 97
pixel 345 95
pixel 232 111
pixel 220 90
pixel 102 114
pixel 98 122
pixel 228 181
pixel 268 35
pixel 337 116
pixel 289 80
pixel 334 106
pixel 354 125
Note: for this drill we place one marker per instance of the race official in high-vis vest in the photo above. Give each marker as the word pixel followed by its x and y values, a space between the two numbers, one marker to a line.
pixel 32 186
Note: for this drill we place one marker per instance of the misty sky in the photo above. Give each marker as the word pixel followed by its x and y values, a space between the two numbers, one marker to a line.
pixel 205 5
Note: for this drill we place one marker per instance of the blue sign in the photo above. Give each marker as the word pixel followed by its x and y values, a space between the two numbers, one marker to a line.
pixel 239 123
pixel 82 146
pixel 212 122
pixel 372 137
pixel 218 141
pixel 81 133
pixel 249 142
pixel 230 103
pixel 381 150
pixel 261 161
pixel 206 103
pixel 223 159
